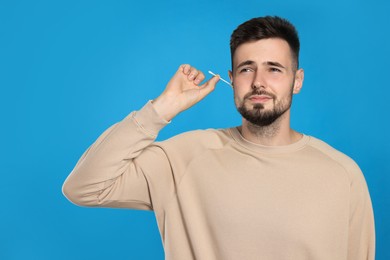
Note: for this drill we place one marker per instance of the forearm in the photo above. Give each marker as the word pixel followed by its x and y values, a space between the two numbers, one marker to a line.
pixel 111 156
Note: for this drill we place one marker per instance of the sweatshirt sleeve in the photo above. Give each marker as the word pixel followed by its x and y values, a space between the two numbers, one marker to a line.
pixel 361 242
pixel 108 175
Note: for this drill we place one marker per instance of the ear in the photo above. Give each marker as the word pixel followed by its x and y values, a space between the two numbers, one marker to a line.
pixel 231 78
pixel 299 76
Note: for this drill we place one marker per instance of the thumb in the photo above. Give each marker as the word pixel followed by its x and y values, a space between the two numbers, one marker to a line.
pixel 208 86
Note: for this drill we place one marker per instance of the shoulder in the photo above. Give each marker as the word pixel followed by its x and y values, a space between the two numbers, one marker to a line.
pixel 338 157
pixel 184 148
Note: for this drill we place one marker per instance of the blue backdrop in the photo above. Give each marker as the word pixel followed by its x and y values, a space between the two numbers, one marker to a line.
pixel 70 69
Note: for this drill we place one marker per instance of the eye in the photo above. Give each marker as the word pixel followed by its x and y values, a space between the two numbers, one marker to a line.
pixel 246 70
pixel 274 69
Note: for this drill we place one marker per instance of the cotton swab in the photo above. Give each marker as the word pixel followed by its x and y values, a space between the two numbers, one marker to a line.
pixel 220 78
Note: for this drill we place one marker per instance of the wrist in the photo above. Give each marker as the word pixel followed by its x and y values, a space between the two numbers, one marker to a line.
pixel 165 108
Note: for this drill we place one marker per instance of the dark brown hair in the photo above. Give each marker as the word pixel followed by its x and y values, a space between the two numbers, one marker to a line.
pixel 265 28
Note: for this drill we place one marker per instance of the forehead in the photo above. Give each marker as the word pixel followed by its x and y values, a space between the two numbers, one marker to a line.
pixel 274 49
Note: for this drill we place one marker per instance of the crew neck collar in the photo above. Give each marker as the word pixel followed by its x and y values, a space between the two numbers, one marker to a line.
pixel 266 148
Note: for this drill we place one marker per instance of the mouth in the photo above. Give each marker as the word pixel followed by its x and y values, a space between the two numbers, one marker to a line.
pixel 259 98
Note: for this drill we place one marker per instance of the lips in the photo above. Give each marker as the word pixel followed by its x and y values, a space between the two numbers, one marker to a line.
pixel 260 98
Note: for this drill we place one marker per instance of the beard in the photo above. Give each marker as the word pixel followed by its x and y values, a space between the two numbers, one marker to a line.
pixel 258 115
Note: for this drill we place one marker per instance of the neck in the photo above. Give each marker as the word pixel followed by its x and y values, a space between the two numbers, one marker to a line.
pixel 276 134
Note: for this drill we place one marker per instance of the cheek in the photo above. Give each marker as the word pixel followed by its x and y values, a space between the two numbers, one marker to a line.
pixel 241 84
pixel 279 85
pixel 243 77
pixel 240 90
pixel 239 95
pixel 276 80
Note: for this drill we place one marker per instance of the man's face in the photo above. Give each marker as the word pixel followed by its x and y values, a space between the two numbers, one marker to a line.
pixel 264 79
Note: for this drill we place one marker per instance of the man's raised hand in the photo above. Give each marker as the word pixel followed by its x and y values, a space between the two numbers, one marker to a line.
pixel 183 91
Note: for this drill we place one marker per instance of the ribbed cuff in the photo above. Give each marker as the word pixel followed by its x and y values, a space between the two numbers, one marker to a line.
pixel 149 120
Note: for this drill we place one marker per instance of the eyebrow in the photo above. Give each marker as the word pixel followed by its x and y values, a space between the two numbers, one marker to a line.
pixel 268 63
pixel 244 63
pixel 274 64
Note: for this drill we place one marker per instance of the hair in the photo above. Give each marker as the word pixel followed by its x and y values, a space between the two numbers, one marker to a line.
pixel 265 28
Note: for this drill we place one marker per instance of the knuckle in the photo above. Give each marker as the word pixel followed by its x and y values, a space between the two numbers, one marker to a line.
pixel 185 67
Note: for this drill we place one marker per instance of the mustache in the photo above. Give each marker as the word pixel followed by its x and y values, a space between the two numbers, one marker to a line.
pixel 259 92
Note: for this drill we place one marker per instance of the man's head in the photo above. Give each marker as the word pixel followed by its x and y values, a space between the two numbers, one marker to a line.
pixel 265 71
pixel 265 28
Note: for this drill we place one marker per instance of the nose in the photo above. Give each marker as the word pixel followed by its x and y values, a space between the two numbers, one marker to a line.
pixel 256 85
pixel 258 81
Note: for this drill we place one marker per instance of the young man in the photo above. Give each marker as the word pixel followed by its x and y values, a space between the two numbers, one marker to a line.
pixel 258 191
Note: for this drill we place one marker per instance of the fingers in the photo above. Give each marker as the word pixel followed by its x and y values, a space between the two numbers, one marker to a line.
pixel 196 76
pixel 192 74
pixel 208 87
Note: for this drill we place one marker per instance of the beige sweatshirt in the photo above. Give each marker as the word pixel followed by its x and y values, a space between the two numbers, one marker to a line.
pixel 218 196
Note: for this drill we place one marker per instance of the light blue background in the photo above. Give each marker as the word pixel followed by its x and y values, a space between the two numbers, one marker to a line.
pixel 70 69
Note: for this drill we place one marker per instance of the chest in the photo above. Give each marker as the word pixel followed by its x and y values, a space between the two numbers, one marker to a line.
pixel 288 196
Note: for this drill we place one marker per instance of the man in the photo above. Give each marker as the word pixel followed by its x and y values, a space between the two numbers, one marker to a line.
pixel 258 191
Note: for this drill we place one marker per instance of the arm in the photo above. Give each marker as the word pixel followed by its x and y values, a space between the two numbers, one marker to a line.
pixel 108 173
pixel 361 242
